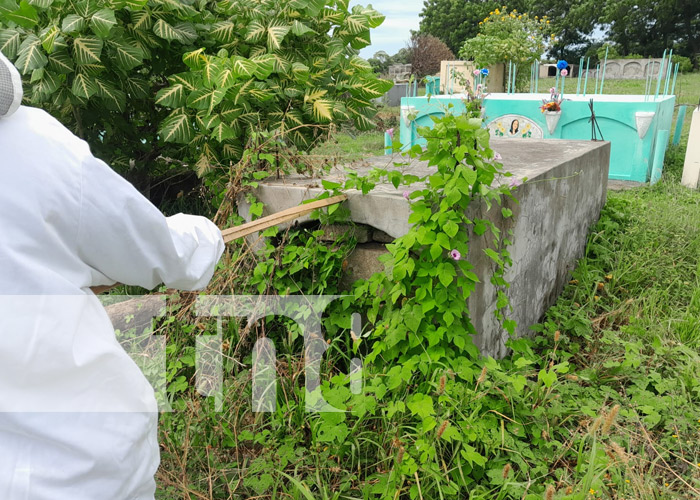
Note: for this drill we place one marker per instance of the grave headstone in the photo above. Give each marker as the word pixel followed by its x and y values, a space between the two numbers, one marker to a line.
pixel 691 167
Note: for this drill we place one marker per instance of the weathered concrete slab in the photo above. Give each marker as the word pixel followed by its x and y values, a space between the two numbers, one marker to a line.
pixel 565 190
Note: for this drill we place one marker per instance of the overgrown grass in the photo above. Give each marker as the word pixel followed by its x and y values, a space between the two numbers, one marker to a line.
pixel 615 415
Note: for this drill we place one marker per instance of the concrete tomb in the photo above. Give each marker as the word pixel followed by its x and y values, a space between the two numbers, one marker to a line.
pixel 565 190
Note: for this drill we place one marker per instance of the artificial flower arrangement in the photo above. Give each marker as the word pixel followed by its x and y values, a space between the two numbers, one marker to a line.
pixel 552 104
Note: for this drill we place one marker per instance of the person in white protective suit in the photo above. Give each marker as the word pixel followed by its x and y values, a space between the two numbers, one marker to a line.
pixel 77 417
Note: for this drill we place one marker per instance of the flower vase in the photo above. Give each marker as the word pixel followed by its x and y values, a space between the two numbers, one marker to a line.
pixel 552 119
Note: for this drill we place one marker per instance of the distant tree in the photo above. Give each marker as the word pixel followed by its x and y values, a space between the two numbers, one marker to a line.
pixel 427 52
pixel 649 27
pixel 454 21
pixel 573 21
pixel 381 61
pixel 506 37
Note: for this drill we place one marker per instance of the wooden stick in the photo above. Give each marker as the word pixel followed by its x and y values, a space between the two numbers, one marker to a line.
pixel 275 219
pixel 278 218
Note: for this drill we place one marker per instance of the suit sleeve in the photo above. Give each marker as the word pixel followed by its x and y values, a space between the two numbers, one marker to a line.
pixel 124 238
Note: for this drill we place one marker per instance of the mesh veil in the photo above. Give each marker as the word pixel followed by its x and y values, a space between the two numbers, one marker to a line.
pixel 10 87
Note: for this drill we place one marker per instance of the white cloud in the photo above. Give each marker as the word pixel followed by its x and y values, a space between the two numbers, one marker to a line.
pixel 392 35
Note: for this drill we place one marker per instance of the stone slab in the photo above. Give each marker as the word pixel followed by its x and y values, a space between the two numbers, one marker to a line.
pixel 565 189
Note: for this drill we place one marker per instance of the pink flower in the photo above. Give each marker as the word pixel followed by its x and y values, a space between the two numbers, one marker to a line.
pixel 514 182
pixel 564 72
pixel 391 133
pixel 476 72
pixel 455 254
pixel 406 194
pixel 497 157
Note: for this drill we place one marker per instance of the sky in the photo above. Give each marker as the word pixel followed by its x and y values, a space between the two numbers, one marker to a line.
pixel 392 35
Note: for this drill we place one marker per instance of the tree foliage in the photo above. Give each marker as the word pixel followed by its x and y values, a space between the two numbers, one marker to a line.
pixel 191 79
pixel 508 37
pixel 427 52
pixel 454 21
pixel 648 27
pixel 573 21
pixel 381 61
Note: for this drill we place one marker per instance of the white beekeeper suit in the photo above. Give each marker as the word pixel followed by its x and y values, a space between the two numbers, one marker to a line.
pixel 77 417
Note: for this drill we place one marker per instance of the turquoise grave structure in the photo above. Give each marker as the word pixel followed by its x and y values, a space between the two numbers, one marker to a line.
pixel 637 129
pixel 637 126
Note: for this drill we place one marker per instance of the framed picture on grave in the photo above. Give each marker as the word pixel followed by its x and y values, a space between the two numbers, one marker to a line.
pixel 514 126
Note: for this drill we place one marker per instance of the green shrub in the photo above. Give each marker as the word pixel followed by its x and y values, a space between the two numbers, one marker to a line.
pixel 146 82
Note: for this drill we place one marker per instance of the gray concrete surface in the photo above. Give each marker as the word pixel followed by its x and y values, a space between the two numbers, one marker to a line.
pixel 565 189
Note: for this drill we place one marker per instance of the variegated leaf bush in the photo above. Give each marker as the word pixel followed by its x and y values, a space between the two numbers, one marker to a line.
pixel 192 80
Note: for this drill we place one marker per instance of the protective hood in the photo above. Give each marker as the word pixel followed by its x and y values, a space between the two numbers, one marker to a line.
pixel 10 88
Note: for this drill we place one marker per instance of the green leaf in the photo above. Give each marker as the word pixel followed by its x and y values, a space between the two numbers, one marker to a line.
pixel 225 32
pixel 301 29
pixel 41 4
pixel 256 32
pixel 221 132
pixel 375 18
pixel 226 78
pixel 7 6
pixel 87 50
pixel 136 4
pixel 30 56
pixel 85 8
pixel 171 97
pixel 72 24
pixel 48 38
pixel 421 405
pixel 188 80
pixel 10 41
pixel 182 32
pixel 177 127
pixel 126 55
pixel 137 88
pixel 102 22
pixel 264 65
pixel 196 59
pixel 61 62
pixel 83 86
pixel 356 23
pixel 276 32
pixel 242 67
pixel 472 456
pixel 49 84
pixel 205 99
pixel 141 20
pixel 37 75
pixel 26 16
pixel 114 98
pixel 547 377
